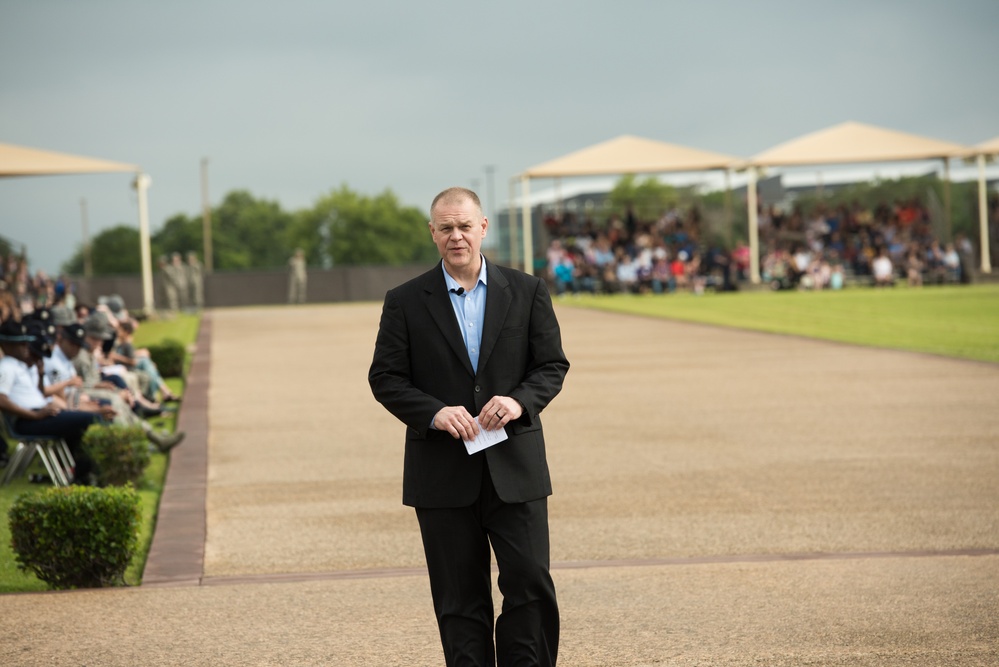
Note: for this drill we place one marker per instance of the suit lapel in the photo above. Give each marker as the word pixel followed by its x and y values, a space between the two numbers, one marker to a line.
pixel 439 305
pixel 498 300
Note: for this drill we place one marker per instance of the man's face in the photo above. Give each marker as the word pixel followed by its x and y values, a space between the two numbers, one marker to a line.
pixel 17 350
pixel 69 347
pixel 458 229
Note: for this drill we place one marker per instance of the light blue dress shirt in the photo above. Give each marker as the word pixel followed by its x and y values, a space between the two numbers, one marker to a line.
pixel 470 310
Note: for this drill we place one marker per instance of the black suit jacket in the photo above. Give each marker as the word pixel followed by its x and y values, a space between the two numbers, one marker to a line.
pixel 421 365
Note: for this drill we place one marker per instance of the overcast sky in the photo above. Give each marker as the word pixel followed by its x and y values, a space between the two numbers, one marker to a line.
pixel 290 99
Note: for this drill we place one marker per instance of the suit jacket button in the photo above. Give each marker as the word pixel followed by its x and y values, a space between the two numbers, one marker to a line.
pixel 477 389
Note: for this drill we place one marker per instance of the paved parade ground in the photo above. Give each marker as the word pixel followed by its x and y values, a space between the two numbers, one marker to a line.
pixel 721 498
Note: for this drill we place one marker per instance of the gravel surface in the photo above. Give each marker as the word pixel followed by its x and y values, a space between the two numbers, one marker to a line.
pixel 721 498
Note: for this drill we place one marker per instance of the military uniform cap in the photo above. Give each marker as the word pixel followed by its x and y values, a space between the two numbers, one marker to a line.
pixel 74 333
pixel 13 331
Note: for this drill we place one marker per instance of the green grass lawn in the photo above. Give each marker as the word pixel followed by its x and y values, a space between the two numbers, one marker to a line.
pixel 183 328
pixel 958 321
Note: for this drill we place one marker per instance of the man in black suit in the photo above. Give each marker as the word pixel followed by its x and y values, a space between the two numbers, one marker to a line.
pixel 471 346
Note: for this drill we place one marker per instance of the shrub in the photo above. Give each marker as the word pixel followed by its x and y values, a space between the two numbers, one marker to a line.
pixel 76 536
pixel 168 356
pixel 121 453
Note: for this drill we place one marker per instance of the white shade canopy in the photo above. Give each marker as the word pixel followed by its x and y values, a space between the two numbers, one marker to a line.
pixel 856 142
pixel 845 143
pixel 624 155
pixel 990 147
pixel 630 155
pixel 24 161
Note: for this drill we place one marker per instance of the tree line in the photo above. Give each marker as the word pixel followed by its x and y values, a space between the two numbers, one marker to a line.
pixel 343 227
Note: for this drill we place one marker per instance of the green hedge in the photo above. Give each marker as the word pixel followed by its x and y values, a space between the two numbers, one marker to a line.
pixel 168 357
pixel 76 536
pixel 121 453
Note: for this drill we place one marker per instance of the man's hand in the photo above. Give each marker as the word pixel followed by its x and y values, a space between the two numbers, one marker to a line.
pixel 50 410
pixel 457 421
pixel 499 411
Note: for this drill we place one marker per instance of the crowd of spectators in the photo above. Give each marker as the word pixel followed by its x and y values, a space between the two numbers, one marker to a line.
pixel 22 291
pixel 629 255
pixel 879 246
pixel 824 250
pixel 182 286
pixel 635 256
pixel 65 365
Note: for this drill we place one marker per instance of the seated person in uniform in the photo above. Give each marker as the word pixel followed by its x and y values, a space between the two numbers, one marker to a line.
pixel 93 366
pixel 60 372
pixel 30 412
pixel 139 361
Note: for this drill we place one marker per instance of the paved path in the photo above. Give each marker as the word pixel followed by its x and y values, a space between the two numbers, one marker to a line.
pixel 721 498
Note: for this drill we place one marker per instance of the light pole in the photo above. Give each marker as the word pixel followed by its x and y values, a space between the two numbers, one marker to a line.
pixel 206 216
pixel 88 258
pixel 326 239
pixel 489 169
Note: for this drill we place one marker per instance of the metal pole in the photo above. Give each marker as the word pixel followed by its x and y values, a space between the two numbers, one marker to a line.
pixel 526 227
pixel 558 198
pixel 88 257
pixel 142 183
pixel 947 217
pixel 489 191
pixel 326 231
pixel 206 217
pixel 754 228
pixel 511 220
pixel 729 219
pixel 983 216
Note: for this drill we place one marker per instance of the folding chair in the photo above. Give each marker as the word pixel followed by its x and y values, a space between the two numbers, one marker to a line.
pixel 54 453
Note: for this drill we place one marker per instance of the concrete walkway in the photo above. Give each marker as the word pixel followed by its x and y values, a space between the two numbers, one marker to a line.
pixel 721 498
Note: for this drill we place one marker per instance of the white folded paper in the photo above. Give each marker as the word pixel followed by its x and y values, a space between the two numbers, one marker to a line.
pixel 485 439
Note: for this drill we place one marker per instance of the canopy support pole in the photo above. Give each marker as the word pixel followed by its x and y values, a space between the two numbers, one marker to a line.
pixel 526 226
pixel 983 216
pixel 142 183
pixel 754 227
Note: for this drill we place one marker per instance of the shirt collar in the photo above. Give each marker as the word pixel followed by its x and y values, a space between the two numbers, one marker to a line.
pixel 452 284
pixel 17 362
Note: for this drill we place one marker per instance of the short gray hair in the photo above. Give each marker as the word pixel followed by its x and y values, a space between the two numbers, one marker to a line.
pixel 455 195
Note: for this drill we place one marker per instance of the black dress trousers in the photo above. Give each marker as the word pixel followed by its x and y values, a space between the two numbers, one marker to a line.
pixel 456 542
